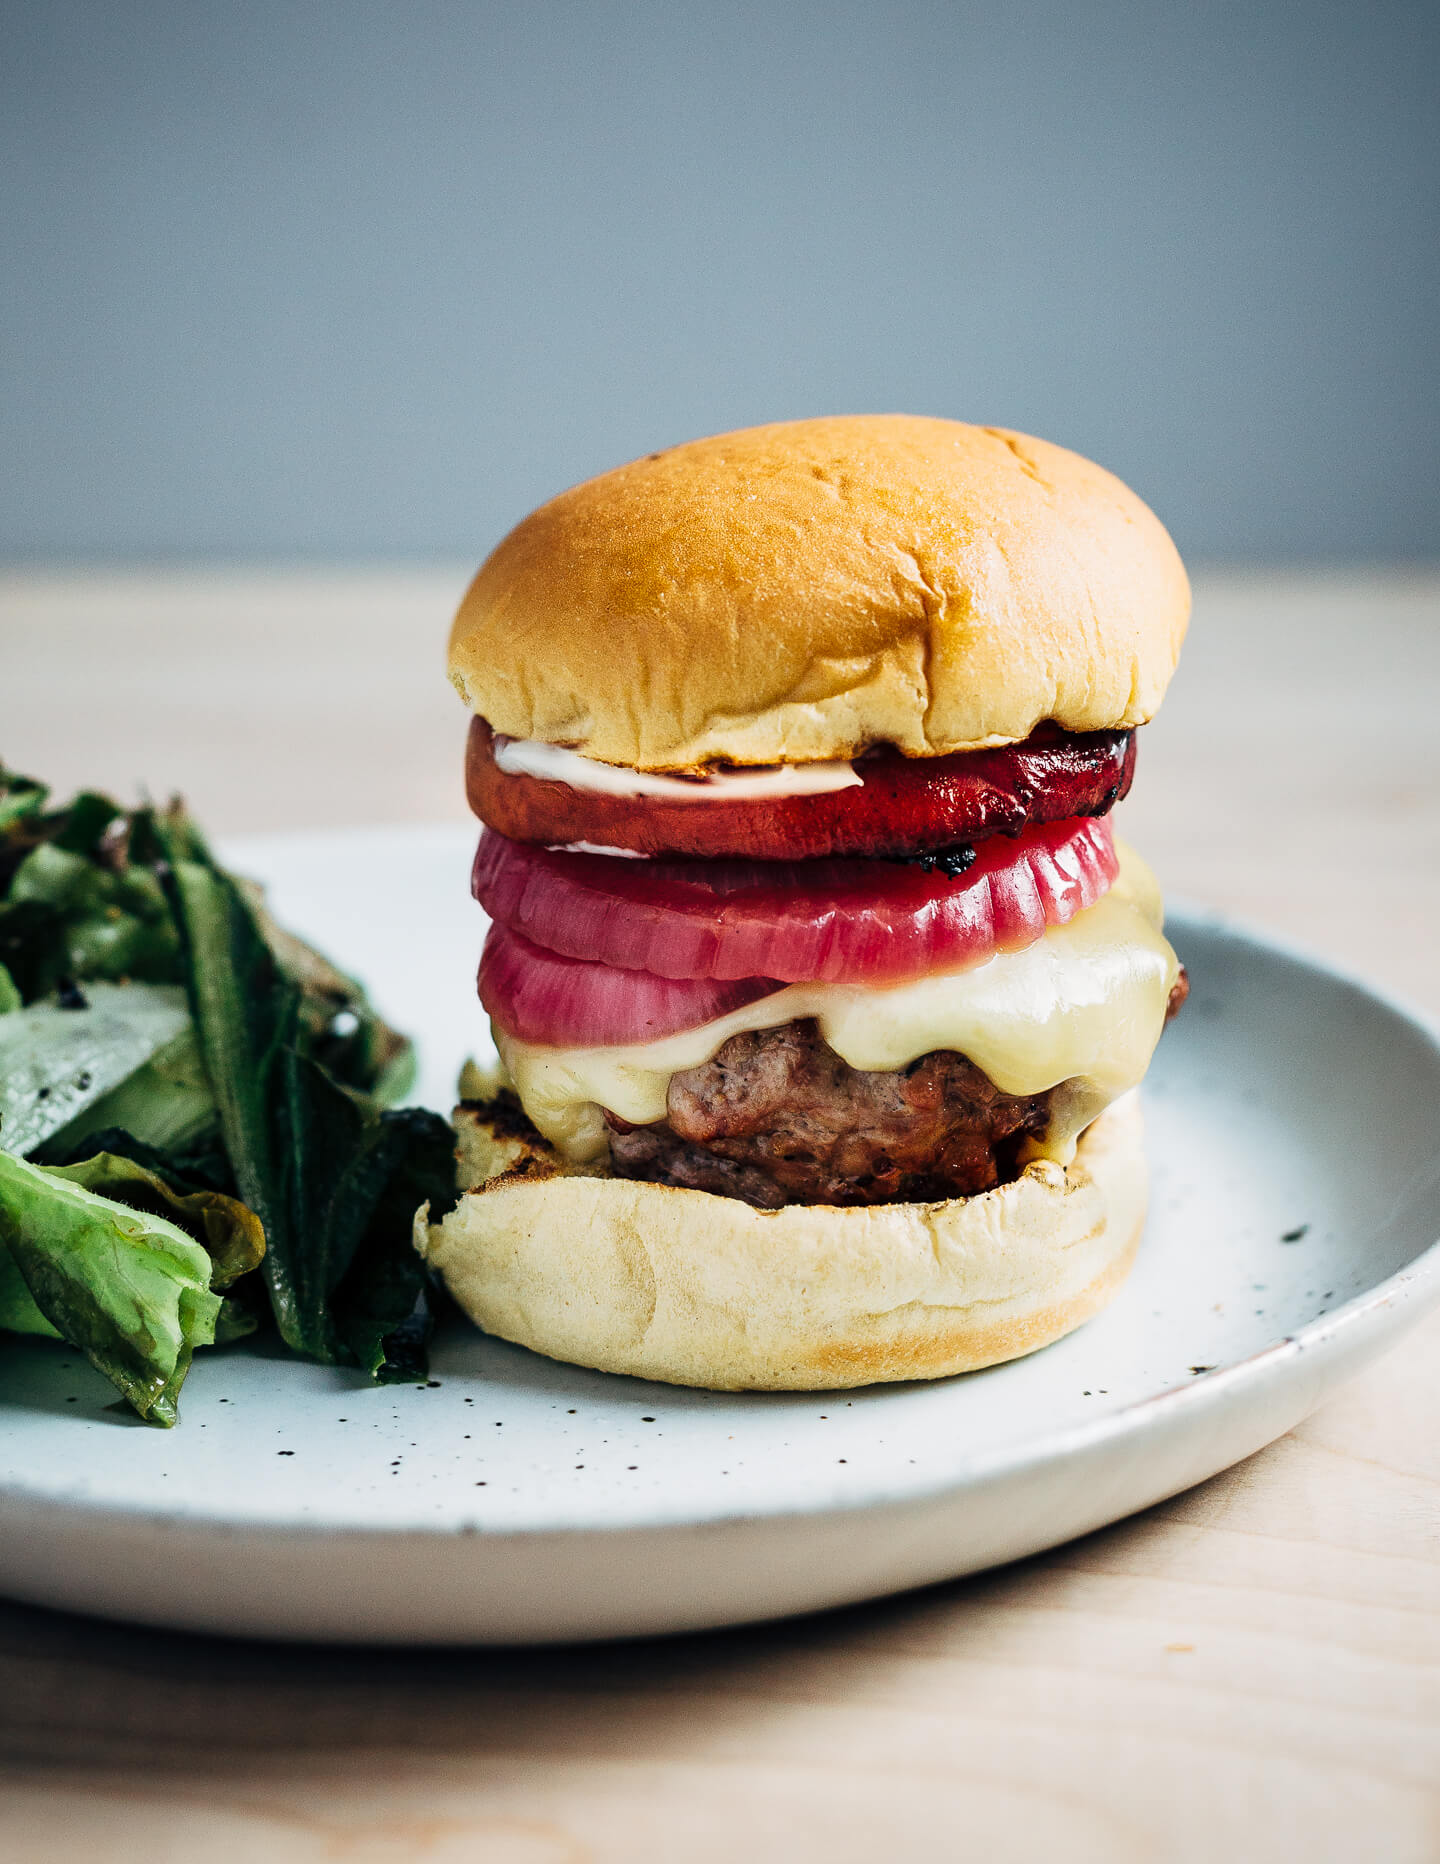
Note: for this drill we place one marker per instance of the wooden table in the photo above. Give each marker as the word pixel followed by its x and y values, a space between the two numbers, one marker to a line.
pixel 1250 1671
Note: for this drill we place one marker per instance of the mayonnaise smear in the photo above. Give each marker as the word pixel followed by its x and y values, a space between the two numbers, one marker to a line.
pixel 529 757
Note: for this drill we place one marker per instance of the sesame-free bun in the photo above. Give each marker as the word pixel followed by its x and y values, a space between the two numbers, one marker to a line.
pixel 807 590
pixel 694 1289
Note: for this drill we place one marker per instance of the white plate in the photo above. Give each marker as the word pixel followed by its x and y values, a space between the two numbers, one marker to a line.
pixel 513 1499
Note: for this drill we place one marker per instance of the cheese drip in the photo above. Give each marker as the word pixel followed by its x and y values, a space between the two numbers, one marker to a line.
pixel 1083 1006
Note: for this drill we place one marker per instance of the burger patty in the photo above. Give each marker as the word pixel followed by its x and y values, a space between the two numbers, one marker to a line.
pixel 777 1117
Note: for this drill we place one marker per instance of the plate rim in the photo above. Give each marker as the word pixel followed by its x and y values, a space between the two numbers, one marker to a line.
pixel 1408 1292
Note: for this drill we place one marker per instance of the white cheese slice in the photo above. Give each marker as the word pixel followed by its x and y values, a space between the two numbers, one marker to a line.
pixel 1084 1005
pixel 529 757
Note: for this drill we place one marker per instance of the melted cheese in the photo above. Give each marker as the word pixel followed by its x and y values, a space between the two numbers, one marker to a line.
pixel 1083 1006
pixel 529 757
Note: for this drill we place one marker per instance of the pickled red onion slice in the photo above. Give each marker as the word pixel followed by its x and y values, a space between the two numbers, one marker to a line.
pixel 837 921
pixel 541 997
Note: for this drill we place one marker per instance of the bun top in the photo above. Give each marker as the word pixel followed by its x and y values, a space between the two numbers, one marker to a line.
pixel 809 589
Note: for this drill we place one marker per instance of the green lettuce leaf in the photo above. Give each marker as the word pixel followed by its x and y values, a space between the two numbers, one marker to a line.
pixel 229 1233
pixel 359 1178
pixel 326 1171
pixel 167 1104
pixel 373 1290
pixel 21 798
pixel 178 1176
pixel 131 1290
pixel 58 1065
pixel 18 1312
pixel 104 922
pixel 107 1255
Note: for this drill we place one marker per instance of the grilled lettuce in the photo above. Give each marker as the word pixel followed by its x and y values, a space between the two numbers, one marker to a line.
pixel 192 1100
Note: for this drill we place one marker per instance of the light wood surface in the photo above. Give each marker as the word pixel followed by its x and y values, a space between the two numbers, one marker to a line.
pixel 1251 1671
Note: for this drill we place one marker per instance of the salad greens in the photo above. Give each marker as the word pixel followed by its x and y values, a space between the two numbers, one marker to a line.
pixel 95 1257
pixel 192 1101
pixel 61 1068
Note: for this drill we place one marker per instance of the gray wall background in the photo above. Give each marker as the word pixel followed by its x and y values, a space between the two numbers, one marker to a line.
pixel 306 281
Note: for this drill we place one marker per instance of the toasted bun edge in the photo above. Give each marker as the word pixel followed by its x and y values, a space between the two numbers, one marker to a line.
pixel 691 1289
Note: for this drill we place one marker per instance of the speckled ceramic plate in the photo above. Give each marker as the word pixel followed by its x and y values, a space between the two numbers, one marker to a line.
pixel 1294 1129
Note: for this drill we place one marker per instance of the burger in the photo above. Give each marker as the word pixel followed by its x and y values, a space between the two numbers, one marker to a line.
pixel 820 983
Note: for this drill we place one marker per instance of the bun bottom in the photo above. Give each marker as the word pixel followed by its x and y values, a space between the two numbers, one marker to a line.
pixel 692 1289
